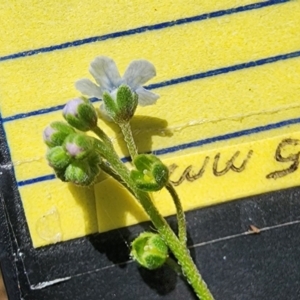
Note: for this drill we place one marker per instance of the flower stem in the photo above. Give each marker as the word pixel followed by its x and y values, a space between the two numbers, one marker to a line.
pixel 128 137
pixel 111 172
pixel 180 213
pixel 179 250
pixel 103 136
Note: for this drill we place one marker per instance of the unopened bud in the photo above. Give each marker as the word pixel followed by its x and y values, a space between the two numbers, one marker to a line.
pixel 149 250
pixel 78 145
pixel 150 174
pixel 81 114
pixel 79 172
pixel 58 158
pixel 56 133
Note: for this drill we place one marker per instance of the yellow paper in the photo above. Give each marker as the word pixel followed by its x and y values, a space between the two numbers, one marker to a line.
pixel 228 76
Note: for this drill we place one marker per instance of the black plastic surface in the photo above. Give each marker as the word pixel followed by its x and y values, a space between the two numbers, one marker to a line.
pixel 235 264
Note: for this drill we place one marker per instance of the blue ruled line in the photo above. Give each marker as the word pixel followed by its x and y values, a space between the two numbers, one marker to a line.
pixel 42 111
pixel 142 29
pixel 165 83
pixel 198 143
pixel 36 180
pixel 174 81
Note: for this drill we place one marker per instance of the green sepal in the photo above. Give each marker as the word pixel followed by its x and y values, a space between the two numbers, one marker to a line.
pixel 123 108
pixel 149 250
pixel 110 106
pixel 127 102
pixel 150 174
pixel 88 114
pixel 60 131
pixel 58 158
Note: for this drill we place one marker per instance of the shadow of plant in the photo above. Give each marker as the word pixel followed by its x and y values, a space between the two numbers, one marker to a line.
pixel 111 203
pixel 143 129
pixel 163 280
pixel 109 210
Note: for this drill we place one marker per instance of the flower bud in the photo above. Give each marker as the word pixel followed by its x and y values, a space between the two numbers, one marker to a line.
pixel 149 250
pixel 81 114
pixel 58 158
pixel 82 172
pixel 150 174
pixel 79 172
pixel 78 145
pixel 56 133
pixel 121 105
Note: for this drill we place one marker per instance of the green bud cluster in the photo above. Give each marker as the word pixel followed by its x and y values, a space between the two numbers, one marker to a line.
pixel 150 174
pixel 121 109
pixel 149 250
pixel 71 154
pixel 56 133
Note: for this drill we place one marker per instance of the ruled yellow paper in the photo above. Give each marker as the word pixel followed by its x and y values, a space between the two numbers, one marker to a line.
pixel 228 76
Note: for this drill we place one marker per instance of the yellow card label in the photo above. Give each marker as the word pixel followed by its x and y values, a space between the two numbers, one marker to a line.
pixel 208 178
pixel 227 121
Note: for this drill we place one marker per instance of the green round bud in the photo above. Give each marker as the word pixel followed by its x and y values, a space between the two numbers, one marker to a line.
pixel 58 158
pixel 150 174
pixel 81 114
pixel 79 172
pixel 56 133
pixel 149 250
pixel 78 145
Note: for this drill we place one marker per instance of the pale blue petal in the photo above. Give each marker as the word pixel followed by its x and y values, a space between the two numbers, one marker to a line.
pixel 146 97
pixel 138 73
pixel 88 88
pixel 105 72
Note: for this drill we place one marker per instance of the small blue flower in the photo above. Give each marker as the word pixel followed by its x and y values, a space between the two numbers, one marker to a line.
pixel 107 76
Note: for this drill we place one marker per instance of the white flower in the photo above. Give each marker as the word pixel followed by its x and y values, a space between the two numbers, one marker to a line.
pixel 107 76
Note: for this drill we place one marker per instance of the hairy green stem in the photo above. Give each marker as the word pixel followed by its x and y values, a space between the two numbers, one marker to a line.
pixel 111 172
pixel 179 212
pixel 128 137
pixel 103 136
pixel 127 133
pixel 179 250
